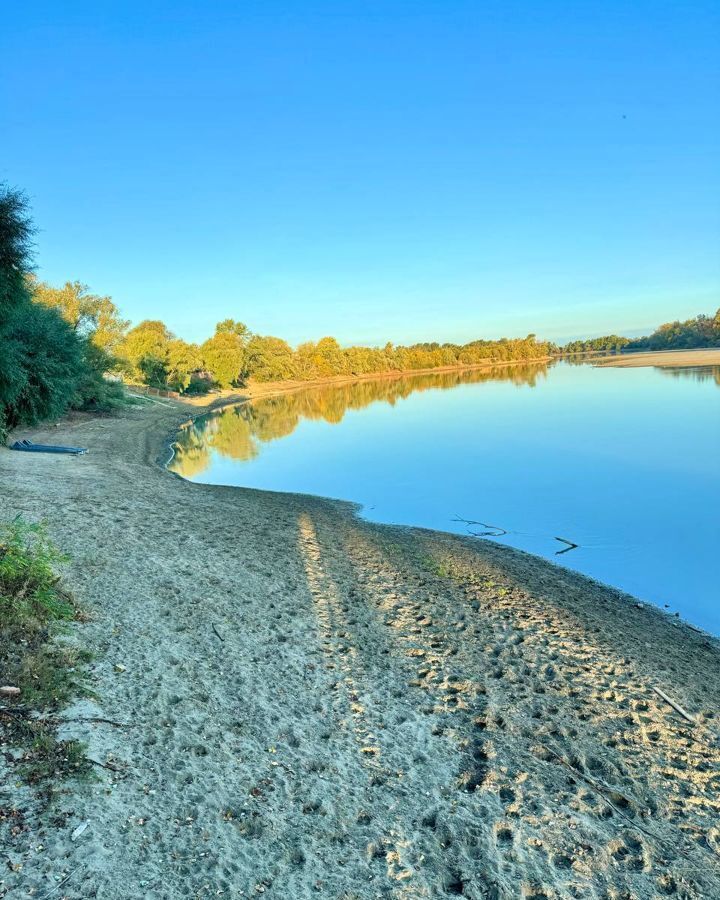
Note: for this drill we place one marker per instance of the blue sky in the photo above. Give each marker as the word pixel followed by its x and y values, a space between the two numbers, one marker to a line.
pixel 374 170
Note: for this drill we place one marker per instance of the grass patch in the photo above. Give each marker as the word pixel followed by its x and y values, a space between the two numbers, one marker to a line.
pixel 34 609
pixel 437 568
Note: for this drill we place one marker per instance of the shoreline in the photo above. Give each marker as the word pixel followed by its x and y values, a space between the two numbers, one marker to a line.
pixel 264 388
pixel 661 359
pixel 166 456
pixel 268 389
pixel 381 710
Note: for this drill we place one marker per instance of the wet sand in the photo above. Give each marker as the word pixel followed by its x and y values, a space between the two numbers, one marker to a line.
pixel 662 358
pixel 313 705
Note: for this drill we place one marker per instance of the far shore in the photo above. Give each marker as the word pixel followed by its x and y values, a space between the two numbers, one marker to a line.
pixel 256 389
pixel 662 358
pixel 289 700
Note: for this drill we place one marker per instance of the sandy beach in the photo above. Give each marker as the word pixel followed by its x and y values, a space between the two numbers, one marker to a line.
pixel 304 704
pixel 662 358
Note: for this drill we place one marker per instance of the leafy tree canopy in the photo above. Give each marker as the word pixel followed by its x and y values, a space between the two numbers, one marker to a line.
pixel 88 314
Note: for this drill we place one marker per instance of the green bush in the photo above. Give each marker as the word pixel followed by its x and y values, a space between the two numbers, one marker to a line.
pixel 28 581
pixel 47 366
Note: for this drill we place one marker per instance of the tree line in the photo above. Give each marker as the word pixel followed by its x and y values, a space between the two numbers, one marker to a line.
pixel 609 343
pixel 59 344
pixel 697 333
pixel 234 355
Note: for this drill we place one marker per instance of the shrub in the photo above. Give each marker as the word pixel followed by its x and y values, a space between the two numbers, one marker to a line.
pixel 28 582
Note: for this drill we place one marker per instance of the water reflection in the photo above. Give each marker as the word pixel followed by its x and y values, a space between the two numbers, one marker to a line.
pixel 608 459
pixel 238 432
pixel 695 373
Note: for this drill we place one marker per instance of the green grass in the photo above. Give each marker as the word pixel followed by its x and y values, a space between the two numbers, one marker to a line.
pixel 440 569
pixel 34 609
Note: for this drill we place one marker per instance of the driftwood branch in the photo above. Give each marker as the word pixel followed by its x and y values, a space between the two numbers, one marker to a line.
pixel 493 530
pixel 499 531
pixel 217 633
pixel 675 706
pixel 571 546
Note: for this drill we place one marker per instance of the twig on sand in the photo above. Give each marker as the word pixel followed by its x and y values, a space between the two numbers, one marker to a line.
pixel 675 706
pixel 26 711
pixel 94 719
pixel 59 884
pixel 602 788
pixel 605 789
pixel 217 633
pixel 109 766
pixel 571 546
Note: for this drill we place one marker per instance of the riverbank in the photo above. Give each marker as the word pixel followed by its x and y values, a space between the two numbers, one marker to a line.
pixel 257 389
pixel 662 358
pixel 306 704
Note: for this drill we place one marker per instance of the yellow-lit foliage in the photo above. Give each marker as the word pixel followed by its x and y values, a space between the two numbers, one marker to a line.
pixel 237 432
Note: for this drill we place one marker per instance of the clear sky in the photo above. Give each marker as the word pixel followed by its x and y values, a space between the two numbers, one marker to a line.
pixel 428 169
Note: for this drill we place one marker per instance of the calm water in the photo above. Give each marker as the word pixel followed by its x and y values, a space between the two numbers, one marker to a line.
pixel 623 462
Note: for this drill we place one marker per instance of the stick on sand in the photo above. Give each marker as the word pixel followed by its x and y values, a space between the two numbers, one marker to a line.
pixel 675 706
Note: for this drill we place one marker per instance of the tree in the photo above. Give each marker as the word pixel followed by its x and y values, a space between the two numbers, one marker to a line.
pixel 182 362
pixel 16 232
pixel 144 350
pixel 89 315
pixel 225 354
pixel 702 331
pixel 45 366
pixel 270 359
pixel 230 326
pixel 328 357
pixel 49 361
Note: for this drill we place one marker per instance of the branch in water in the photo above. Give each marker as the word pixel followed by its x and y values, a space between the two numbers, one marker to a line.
pixel 496 530
pixel 571 546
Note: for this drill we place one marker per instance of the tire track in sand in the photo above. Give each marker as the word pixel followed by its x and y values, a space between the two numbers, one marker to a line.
pixel 353 703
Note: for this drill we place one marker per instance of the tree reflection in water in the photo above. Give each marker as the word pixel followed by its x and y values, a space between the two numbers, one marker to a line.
pixel 239 431
pixel 697 373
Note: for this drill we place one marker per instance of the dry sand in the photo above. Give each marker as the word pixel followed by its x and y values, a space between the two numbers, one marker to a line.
pixel 318 706
pixel 662 358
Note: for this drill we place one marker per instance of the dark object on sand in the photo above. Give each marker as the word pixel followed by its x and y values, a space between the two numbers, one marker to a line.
pixel 46 448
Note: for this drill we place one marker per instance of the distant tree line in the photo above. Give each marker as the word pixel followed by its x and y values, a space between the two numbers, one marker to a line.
pixel 702 331
pixel 608 343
